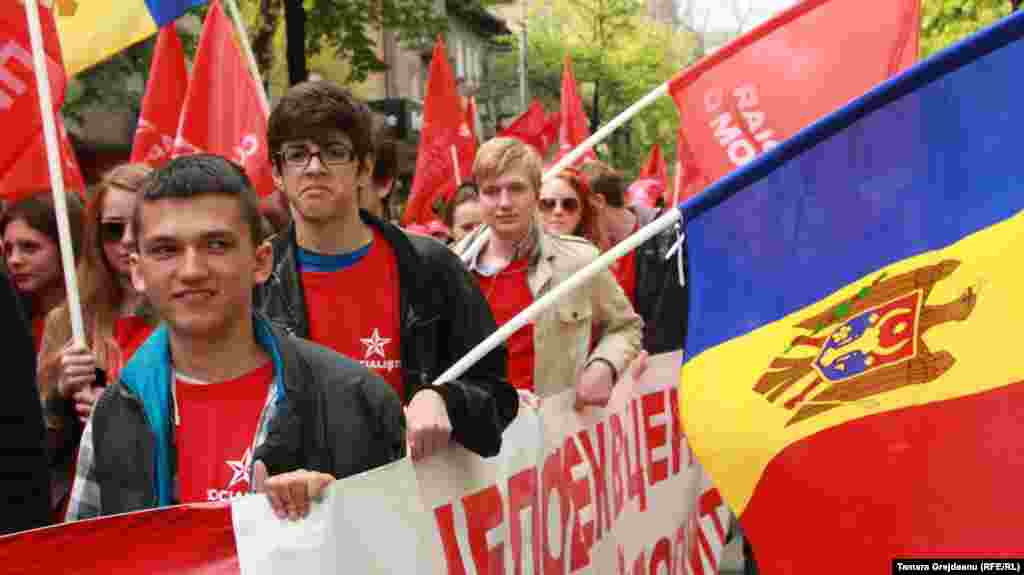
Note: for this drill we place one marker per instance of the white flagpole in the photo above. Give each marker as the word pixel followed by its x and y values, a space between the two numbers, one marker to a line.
pixel 243 36
pixel 455 162
pixel 561 290
pixel 595 267
pixel 606 130
pixel 56 174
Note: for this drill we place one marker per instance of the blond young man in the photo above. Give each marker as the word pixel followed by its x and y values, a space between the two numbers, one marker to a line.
pixel 516 262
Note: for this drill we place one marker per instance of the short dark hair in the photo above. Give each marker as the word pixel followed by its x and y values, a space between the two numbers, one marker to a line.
pixel 467 192
pixel 612 186
pixel 200 175
pixel 37 210
pixel 315 109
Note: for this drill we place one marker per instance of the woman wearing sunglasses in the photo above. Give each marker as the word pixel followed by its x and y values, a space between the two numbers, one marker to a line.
pixel 565 208
pixel 31 250
pixel 71 378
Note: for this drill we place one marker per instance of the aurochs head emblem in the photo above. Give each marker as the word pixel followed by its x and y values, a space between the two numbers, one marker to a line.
pixel 866 345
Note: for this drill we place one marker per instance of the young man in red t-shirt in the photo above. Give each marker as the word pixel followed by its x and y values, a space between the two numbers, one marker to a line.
pixel 211 386
pixel 649 280
pixel 516 262
pixel 400 304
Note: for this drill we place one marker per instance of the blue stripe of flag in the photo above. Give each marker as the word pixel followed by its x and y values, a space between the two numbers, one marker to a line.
pixel 166 11
pixel 916 164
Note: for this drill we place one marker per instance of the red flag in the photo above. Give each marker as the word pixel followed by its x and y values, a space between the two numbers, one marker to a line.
pixel 471 115
pixel 573 130
pixel 162 104
pixel 655 168
pixel 23 159
pixel 655 165
pixel 529 128
pixel 773 81
pixel 444 129
pixel 689 179
pixel 222 113
pixel 30 172
pixel 549 135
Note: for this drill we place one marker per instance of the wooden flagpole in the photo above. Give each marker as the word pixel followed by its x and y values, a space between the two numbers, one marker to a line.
pixel 56 173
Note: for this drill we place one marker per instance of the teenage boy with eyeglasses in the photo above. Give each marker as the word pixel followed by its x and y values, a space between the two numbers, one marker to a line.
pixel 402 305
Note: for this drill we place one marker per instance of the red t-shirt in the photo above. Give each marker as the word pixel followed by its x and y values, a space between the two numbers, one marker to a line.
pixel 508 293
pixel 130 332
pixel 216 426
pixel 37 332
pixel 352 303
pixel 624 270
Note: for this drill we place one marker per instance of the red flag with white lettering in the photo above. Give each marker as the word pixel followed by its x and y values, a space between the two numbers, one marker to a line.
pixel 163 101
pixel 222 112
pixel 23 163
pixel 770 83
pixel 444 130
pixel 573 129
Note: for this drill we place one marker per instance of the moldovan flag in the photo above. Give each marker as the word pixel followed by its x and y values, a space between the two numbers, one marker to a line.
pixel 573 128
pixel 854 382
pixel 23 159
pixel 162 103
pixel 444 128
pixel 222 112
pixel 773 81
pixel 92 30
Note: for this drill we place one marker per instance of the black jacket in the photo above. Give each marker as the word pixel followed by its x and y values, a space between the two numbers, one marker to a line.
pixel 660 300
pixel 351 421
pixel 443 316
pixel 24 478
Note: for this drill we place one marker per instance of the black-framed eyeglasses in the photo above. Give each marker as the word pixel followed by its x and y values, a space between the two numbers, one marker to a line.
pixel 112 232
pixel 299 156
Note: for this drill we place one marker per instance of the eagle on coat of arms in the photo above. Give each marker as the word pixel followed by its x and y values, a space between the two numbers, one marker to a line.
pixel 868 344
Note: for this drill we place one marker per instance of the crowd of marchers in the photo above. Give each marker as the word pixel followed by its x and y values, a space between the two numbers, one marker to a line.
pixel 236 345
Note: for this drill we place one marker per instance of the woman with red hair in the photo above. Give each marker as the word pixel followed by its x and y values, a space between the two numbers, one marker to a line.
pixel 565 208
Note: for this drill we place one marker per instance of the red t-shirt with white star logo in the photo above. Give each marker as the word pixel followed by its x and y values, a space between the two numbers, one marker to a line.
pixel 214 433
pixel 352 304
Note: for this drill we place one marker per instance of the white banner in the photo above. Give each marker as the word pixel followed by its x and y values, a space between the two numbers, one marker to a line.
pixel 612 490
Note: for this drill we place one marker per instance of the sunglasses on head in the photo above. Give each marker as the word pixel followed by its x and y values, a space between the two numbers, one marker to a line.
pixel 568 204
pixel 112 231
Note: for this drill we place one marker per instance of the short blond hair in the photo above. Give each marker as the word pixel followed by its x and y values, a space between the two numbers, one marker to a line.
pixel 498 155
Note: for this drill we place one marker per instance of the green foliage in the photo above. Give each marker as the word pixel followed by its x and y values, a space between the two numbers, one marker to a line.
pixel 944 22
pixel 120 82
pixel 617 55
pixel 348 29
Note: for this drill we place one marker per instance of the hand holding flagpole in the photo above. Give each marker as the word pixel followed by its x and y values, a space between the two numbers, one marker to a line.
pixel 56 173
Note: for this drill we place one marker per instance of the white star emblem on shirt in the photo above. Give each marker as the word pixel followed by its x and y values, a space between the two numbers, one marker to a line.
pixel 240 469
pixel 375 344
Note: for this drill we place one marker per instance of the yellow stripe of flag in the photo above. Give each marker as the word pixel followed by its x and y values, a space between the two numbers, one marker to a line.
pixel 92 31
pixel 979 354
